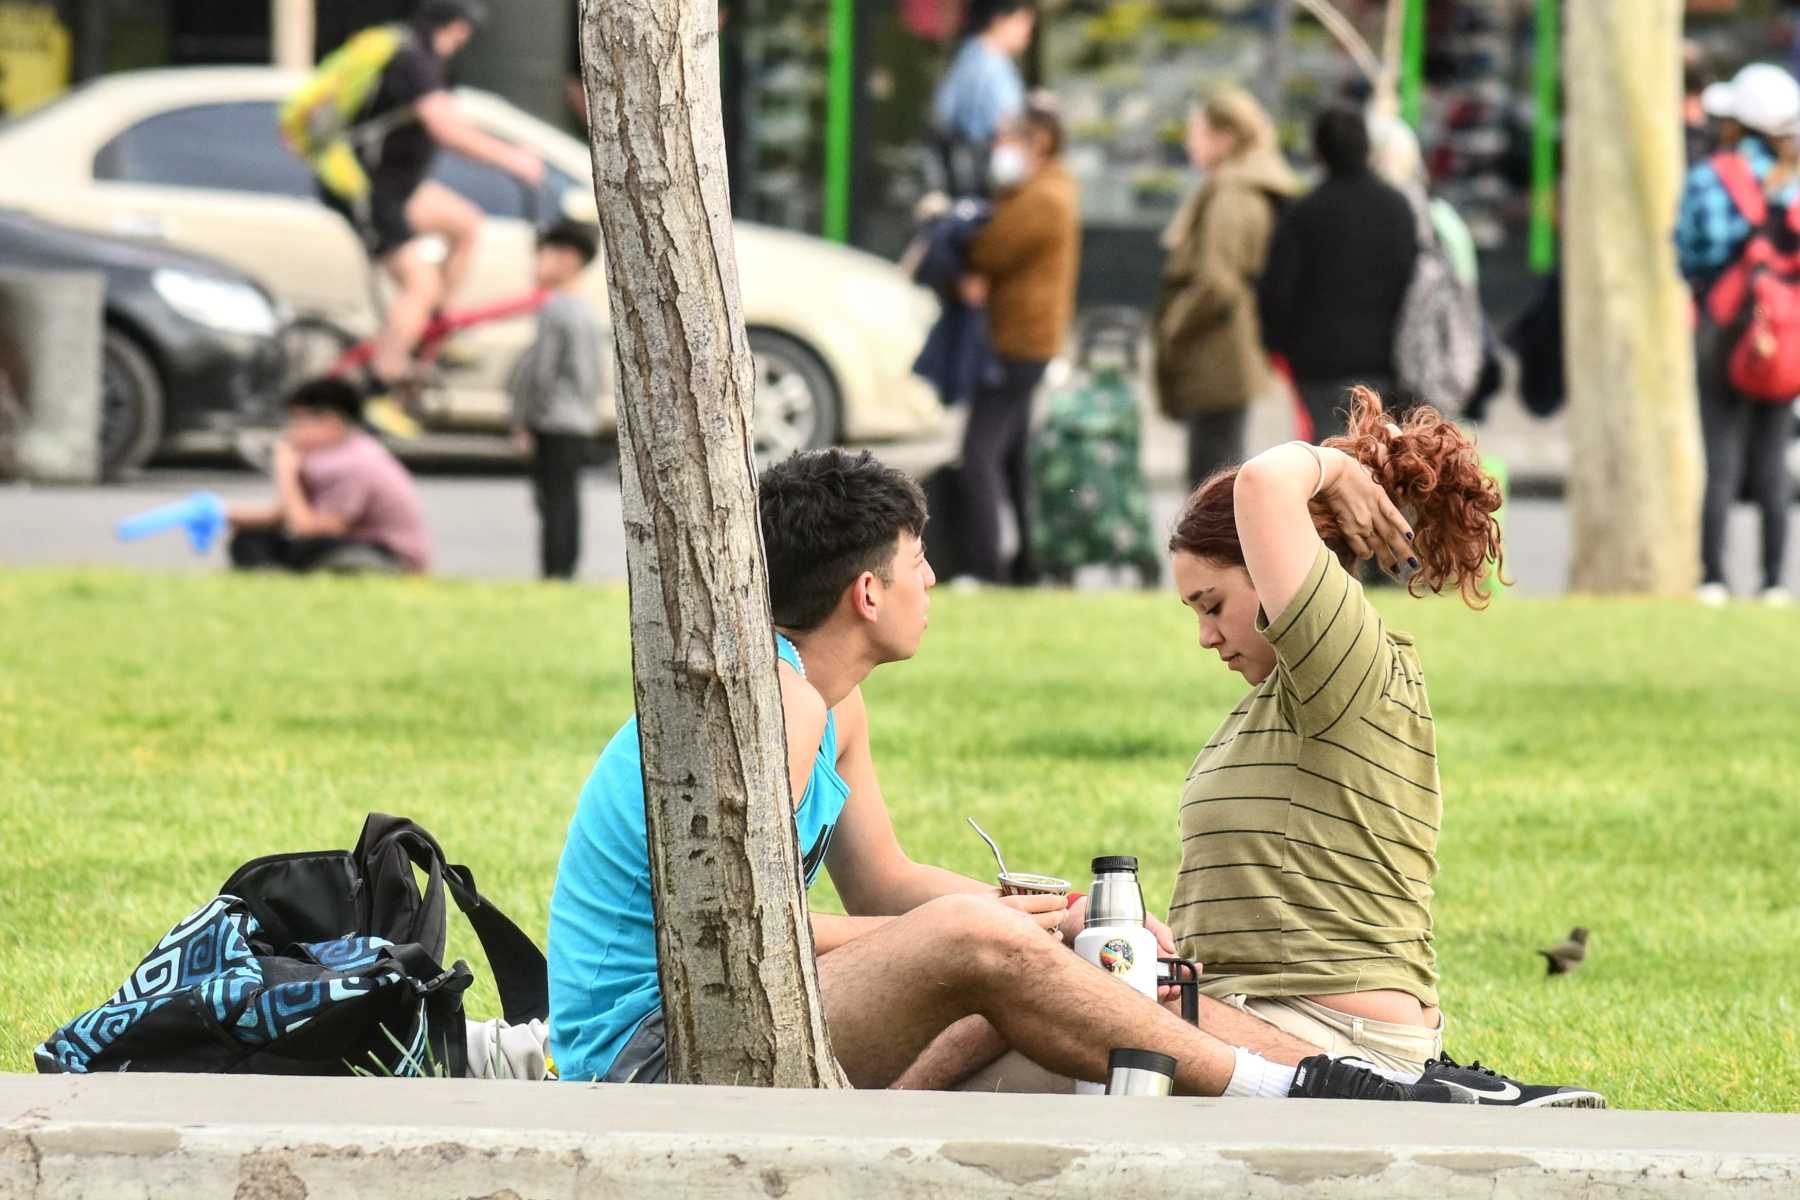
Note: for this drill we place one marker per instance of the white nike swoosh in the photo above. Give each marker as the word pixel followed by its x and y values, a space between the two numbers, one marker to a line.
pixel 1505 1092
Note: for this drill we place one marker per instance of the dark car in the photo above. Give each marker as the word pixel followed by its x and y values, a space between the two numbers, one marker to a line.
pixel 188 343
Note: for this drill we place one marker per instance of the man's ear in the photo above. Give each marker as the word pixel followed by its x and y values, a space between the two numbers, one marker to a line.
pixel 865 596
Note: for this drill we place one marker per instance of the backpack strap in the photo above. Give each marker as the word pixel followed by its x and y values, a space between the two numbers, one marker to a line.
pixel 520 972
pixel 1741 185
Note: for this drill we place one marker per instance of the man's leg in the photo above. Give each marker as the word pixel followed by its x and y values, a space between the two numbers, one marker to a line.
pixel 1771 425
pixel 889 994
pixel 959 1052
pixel 983 489
pixel 419 289
pixel 435 209
pixel 1723 418
pixel 1025 377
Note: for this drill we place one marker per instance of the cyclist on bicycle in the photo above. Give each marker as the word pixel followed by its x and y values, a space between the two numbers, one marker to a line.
pixel 411 113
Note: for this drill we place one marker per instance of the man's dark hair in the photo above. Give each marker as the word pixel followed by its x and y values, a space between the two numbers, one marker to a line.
pixel 983 13
pixel 433 15
pixel 578 236
pixel 1341 141
pixel 828 516
pixel 328 395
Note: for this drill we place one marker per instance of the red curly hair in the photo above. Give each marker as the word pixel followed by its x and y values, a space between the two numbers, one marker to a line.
pixel 1431 471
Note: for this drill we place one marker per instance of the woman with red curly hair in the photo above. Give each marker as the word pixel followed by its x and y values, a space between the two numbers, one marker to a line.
pixel 1310 819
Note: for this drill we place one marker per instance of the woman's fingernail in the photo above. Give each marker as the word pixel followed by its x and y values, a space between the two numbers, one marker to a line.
pixel 1413 563
pixel 1409 535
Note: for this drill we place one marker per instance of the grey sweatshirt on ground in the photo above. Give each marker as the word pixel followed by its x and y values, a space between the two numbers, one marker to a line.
pixel 556 383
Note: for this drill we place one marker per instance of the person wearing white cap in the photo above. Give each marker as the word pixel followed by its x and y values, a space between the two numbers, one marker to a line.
pixel 1745 438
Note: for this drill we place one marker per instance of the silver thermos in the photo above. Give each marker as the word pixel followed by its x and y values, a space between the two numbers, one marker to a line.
pixel 1139 1073
pixel 1115 897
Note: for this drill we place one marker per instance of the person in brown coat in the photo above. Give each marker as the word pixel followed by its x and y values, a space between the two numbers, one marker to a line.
pixel 1022 266
pixel 1210 361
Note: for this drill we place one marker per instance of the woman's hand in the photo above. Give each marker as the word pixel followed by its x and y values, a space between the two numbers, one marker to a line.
pixel 1371 525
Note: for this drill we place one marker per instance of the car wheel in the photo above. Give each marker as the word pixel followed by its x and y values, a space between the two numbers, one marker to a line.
pixel 797 403
pixel 131 405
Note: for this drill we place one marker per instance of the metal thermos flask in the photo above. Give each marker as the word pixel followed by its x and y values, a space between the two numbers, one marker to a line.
pixel 1115 938
pixel 1139 1073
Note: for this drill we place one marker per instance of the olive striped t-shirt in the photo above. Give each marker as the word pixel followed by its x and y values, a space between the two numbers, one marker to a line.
pixel 1309 822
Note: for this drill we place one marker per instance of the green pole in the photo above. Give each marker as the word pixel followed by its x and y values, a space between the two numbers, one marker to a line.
pixel 1412 61
pixel 1543 140
pixel 839 109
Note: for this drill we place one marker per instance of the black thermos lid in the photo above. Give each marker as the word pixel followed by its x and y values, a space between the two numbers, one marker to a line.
pixel 1115 862
pixel 1142 1060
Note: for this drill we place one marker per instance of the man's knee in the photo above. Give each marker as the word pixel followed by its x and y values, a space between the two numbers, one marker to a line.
pixel 413 276
pixel 990 938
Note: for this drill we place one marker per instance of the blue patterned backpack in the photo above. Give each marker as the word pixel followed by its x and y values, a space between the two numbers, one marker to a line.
pixel 317 963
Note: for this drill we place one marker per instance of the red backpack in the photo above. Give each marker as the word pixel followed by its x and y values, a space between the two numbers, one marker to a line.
pixel 1757 300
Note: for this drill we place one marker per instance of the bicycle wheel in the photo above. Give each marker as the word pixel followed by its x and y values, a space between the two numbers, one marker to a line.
pixel 311 347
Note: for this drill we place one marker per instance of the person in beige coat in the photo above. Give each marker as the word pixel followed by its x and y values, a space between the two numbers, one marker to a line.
pixel 1210 361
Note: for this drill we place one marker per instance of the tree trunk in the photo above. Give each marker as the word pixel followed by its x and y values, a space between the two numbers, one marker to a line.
pixel 740 989
pixel 1634 464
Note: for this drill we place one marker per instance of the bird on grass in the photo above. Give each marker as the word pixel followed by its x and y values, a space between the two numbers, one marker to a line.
pixel 1564 957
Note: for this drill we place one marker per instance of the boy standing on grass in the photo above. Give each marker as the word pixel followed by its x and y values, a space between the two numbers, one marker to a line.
pixel 555 389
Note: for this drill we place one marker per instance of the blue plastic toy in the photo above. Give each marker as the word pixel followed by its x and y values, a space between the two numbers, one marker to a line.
pixel 202 514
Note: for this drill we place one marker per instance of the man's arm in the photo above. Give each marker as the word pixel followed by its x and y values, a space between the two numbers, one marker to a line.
pixel 872 873
pixel 453 131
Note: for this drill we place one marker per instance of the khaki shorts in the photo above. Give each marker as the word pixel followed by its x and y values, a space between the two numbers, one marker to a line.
pixel 1385 1043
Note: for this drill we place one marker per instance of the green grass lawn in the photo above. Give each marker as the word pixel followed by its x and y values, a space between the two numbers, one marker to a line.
pixel 1634 767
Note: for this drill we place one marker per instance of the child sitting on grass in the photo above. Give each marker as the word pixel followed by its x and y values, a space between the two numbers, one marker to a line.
pixel 555 389
pixel 342 501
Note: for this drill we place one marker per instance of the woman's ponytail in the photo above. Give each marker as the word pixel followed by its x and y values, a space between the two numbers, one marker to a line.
pixel 1433 473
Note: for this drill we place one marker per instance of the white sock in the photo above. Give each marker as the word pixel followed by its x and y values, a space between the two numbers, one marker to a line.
pixel 1254 1075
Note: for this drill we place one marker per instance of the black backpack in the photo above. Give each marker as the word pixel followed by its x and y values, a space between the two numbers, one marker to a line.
pixel 316 963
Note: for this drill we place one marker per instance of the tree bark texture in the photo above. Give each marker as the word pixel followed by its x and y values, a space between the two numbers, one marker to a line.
pixel 1635 470
pixel 740 989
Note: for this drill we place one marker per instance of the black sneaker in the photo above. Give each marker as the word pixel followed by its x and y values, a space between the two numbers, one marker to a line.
pixel 1324 1078
pixel 1484 1085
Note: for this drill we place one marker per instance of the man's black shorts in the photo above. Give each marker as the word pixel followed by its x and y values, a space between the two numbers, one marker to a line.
pixel 383 227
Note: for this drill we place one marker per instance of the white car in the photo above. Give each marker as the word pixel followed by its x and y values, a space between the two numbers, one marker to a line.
pixel 193 156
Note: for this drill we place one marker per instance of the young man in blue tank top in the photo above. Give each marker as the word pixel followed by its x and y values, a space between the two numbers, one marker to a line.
pixel 932 975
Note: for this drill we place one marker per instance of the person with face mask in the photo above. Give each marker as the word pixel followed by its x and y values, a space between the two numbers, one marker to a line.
pixel 1022 267
pixel 979 96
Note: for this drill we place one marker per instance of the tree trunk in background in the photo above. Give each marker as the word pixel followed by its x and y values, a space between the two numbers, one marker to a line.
pixel 740 989
pixel 1635 469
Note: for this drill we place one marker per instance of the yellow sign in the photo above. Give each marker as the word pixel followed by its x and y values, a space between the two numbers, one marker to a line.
pixel 34 57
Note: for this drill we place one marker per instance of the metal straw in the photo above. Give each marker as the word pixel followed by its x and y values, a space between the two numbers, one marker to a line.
pixel 991 845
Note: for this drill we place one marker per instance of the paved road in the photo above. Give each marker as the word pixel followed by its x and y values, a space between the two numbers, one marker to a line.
pixel 485 527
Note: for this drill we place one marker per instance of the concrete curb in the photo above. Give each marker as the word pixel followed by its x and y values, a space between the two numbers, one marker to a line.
pixel 205 1137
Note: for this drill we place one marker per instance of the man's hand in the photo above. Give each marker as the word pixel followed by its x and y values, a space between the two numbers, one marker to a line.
pixel 522 441
pixel 973 289
pixel 1045 911
pixel 527 167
